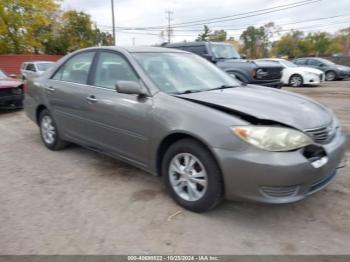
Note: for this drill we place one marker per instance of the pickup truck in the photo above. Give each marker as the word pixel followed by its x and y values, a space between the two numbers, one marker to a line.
pixel 228 59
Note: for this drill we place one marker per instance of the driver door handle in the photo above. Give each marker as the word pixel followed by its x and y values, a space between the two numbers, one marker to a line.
pixel 91 99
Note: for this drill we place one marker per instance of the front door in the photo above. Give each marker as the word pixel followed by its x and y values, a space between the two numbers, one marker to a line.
pixel 121 123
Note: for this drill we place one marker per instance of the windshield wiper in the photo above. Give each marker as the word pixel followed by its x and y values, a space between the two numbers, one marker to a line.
pixel 189 91
pixel 227 57
pixel 223 87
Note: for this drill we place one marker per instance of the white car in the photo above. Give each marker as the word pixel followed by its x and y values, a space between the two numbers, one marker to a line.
pixel 34 68
pixel 294 75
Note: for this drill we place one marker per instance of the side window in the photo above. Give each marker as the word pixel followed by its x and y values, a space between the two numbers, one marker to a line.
pixel 300 61
pixel 111 68
pixel 76 69
pixel 313 62
pixel 31 67
pixel 201 50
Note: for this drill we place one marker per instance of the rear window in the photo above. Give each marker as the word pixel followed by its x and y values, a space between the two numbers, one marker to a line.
pixel 43 66
pixel 30 67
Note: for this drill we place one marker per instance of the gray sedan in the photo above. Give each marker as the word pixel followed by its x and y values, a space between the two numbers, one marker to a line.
pixel 331 70
pixel 174 114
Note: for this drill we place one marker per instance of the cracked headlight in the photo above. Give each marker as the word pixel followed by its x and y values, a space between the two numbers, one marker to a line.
pixel 272 138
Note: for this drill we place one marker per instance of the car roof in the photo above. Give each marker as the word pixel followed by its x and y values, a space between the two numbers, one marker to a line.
pixel 197 43
pixel 136 49
pixel 272 59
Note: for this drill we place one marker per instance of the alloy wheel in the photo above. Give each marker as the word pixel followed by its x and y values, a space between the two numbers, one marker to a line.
pixel 330 76
pixel 48 129
pixel 296 81
pixel 188 176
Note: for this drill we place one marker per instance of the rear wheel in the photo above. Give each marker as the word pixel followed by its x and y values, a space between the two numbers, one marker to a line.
pixel 296 80
pixel 331 76
pixel 192 176
pixel 49 133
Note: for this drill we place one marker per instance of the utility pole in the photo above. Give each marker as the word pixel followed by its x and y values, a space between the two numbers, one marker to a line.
pixel 113 22
pixel 169 29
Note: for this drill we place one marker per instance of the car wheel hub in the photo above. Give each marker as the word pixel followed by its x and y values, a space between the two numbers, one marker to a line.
pixel 295 81
pixel 330 76
pixel 48 130
pixel 188 177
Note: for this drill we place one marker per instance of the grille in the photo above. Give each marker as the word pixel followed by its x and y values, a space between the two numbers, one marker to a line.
pixel 322 135
pixel 269 73
pixel 285 191
pixel 5 92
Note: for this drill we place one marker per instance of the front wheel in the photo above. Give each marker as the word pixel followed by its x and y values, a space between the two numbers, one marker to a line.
pixel 331 76
pixel 49 133
pixel 296 80
pixel 192 176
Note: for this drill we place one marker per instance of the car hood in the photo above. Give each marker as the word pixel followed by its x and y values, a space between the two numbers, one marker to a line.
pixel 262 64
pixel 8 82
pixel 266 104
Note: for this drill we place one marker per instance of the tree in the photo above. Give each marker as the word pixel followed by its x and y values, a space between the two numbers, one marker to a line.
pixel 321 42
pixel 205 35
pixel 218 36
pixel 253 41
pixel 25 24
pixel 76 31
pixel 288 45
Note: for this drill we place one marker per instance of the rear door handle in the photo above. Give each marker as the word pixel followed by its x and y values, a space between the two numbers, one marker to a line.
pixel 50 89
pixel 91 99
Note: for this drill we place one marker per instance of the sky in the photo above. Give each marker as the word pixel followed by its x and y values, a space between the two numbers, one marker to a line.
pixel 152 13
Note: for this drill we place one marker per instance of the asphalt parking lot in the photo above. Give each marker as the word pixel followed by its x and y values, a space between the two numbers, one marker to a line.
pixel 79 202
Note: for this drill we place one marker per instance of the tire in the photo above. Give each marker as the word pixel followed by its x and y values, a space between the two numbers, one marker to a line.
pixel 207 196
pixel 56 143
pixel 296 80
pixel 331 76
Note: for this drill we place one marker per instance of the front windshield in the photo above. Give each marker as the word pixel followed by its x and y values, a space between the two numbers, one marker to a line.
pixel 2 75
pixel 180 72
pixel 43 66
pixel 288 63
pixel 224 51
pixel 325 61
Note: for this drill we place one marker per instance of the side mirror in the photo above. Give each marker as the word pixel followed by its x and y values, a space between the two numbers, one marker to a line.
pixel 13 76
pixel 244 56
pixel 322 65
pixel 129 87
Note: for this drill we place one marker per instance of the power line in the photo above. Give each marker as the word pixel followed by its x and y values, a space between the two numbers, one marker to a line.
pixel 270 10
pixel 243 28
pixel 277 31
pixel 232 17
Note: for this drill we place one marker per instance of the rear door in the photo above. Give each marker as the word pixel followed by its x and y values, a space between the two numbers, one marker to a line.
pixel 121 123
pixel 67 92
pixel 314 63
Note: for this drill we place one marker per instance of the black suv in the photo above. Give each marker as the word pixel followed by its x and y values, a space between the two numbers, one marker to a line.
pixel 228 59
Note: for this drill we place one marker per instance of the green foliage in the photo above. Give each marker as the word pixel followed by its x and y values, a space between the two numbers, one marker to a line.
pixel 205 35
pixel 25 24
pixel 218 36
pixel 40 26
pixel 253 41
pixel 295 44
